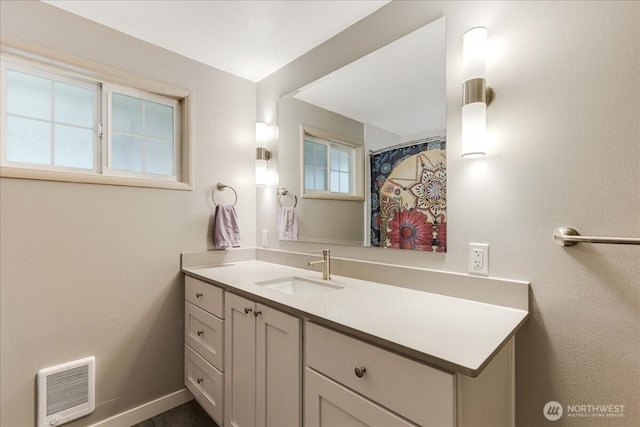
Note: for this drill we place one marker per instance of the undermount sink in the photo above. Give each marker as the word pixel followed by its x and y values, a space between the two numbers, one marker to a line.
pixel 299 287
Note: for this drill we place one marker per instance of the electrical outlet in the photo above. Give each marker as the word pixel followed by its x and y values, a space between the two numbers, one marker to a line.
pixel 265 238
pixel 479 259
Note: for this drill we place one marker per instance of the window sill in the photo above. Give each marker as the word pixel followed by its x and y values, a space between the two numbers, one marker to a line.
pixel 42 175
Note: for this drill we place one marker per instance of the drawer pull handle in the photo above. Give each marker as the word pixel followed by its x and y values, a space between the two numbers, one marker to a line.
pixel 248 310
pixel 200 333
pixel 257 313
pixel 199 380
pixel 198 295
pixel 360 370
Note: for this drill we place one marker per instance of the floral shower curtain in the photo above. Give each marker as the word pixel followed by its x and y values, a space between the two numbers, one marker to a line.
pixel 409 197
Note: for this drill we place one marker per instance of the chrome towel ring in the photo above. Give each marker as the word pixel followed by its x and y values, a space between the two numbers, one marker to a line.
pixel 284 192
pixel 220 187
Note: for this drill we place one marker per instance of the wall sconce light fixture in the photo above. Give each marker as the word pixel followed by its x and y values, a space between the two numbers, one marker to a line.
pixel 263 155
pixel 476 96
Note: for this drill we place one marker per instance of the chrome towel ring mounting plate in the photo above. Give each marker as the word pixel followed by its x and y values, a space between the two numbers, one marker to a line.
pixel 284 192
pixel 220 187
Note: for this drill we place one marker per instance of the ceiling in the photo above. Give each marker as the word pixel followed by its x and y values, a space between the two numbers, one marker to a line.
pixel 250 39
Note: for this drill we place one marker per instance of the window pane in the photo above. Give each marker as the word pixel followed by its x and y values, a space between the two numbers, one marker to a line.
pixel 309 178
pixel 321 178
pixel 73 147
pixel 344 161
pixel 159 157
pixel 28 141
pixel 158 120
pixel 335 159
pixel 344 182
pixel 28 95
pixel 321 155
pixel 335 181
pixel 308 153
pixel 74 105
pixel 126 114
pixel 126 152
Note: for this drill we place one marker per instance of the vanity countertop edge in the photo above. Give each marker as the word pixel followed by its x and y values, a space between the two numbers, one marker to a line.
pixel 453 334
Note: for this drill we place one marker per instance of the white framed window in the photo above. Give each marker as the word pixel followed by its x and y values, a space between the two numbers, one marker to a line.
pixel 332 166
pixel 59 123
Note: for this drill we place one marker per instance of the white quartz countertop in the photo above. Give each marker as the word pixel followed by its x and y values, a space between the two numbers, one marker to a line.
pixel 455 334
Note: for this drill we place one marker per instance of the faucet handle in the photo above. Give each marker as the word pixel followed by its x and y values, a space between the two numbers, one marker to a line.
pixel 321 251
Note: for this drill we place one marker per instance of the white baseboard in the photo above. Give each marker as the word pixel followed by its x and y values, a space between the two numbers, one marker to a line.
pixel 148 410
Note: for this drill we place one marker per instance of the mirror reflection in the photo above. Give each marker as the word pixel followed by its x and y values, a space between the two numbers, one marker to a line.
pixel 363 149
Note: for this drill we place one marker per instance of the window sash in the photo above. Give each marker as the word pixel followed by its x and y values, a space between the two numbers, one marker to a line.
pixel 108 166
pixel 54 77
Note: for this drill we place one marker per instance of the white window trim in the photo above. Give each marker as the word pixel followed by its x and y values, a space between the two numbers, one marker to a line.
pixel 357 166
pixel 49 60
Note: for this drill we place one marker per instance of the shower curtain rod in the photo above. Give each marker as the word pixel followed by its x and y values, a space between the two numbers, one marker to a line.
pixel 406 144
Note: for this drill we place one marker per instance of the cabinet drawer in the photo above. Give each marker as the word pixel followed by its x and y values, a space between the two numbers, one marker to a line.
pixel 204 295
pixel 204 333
pixel 416 391
pixel 328 404
pixel 205 382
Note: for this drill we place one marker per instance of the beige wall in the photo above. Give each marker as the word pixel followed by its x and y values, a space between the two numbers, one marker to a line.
pixel 566 152
pixel 94 269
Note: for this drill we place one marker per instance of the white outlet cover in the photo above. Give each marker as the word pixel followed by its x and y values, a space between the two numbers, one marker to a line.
pixel 479 267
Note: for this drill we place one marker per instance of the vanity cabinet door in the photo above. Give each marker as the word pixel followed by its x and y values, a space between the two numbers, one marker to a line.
pixel 329 404
pixel 240 362
pixel 262 365
pixel 279 367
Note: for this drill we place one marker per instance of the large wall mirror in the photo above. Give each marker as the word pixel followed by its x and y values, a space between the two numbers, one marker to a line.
pixel 363 149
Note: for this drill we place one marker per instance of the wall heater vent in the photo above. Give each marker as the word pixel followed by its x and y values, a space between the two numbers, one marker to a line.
pixel 66 392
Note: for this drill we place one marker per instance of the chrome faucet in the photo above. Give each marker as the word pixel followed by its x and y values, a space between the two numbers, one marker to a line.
pixel 326 263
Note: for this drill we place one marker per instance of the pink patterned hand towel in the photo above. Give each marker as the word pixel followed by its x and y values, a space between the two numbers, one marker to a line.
pixel 226 232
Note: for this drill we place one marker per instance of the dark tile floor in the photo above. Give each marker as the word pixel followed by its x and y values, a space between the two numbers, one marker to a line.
pixel 188 415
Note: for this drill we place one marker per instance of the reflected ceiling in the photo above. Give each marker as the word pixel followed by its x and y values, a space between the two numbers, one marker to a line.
pixel 405 95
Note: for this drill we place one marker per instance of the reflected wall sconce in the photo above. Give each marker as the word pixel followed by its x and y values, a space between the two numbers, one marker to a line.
pixel 476 95
pixel 263 155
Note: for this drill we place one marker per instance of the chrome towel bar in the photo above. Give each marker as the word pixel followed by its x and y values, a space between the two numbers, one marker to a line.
pixel 567 236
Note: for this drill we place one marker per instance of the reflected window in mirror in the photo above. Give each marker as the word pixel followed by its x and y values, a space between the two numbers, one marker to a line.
pixel 332 166
pixel 321 156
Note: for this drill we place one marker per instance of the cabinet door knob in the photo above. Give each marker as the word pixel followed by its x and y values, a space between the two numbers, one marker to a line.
pixel 257 313
pixel 200 333
pixel 198 295
pixel 360 370
pixel 199 380
pixel 248 310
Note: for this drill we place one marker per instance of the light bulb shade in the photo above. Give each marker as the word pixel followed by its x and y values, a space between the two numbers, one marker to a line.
pixel 261 133
pixel 474 129
pixel 474 50
pixel 474 93
pixel 261 172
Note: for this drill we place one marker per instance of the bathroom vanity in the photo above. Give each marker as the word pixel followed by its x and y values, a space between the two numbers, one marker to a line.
pixel 269 344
